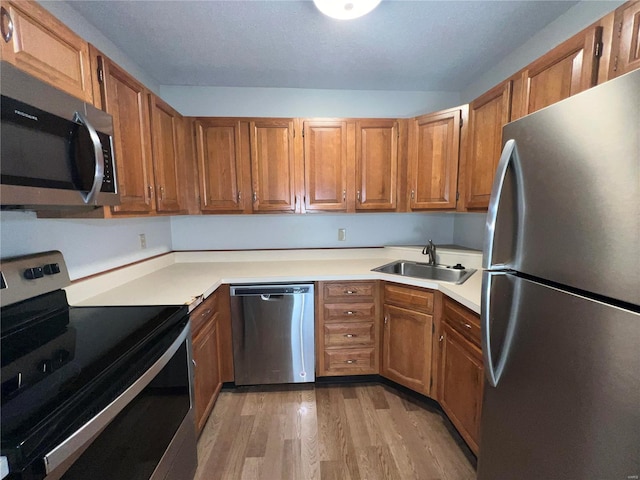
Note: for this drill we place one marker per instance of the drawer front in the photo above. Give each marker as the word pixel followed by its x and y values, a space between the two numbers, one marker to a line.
pixel 349 291
pixel 350 361
pixel 204 312
pixel 346 312
pixel 413 298
pixel 349 334
pixel 463 321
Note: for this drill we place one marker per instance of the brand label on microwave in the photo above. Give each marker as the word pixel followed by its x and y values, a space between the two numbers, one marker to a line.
pixel 26 115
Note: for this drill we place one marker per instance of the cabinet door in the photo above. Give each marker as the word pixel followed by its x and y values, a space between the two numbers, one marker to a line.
pixel 165 123
pixel 406 348
pixel 376 164
pixel 273 165
pixel 325 164
pixel 487 115
pixel 220 166
pixel 207 381
pixel 626 40
pixel 126 100
pixel 434 144
pixel 461 383
pixel 42 46
pixel 570 68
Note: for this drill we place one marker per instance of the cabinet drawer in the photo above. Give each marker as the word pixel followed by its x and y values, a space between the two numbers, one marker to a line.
pixel 349 291
pixel 350 360
pixel 349 334
pixel 463 321
pixel 413 298
pixel 344 312
pixel 204 312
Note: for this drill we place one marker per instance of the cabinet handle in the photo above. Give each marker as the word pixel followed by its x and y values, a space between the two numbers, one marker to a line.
pixel 150 187
pixel 467 325
pixel 413 194
pixel 206 314
pixel 255 196
pixel 194 363
pixel 344 195
pixel 7 33
pixel 239 196
pixel 351 361
pixel 349 292
pixel 441 338
pixel 358 195
pixel 350 335
pixel 349 312
pixel 161 192
pixel 386 319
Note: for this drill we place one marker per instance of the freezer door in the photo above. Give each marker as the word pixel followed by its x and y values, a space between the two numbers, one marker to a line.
pixel 564 405
pixel 565 204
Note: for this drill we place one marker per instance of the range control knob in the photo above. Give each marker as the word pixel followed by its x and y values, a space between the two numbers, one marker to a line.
pixel 458 266
pixel 51 269
pixel 33 273
pixel 45 366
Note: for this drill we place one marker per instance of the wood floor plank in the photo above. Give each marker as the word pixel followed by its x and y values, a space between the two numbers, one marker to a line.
pixel 309 453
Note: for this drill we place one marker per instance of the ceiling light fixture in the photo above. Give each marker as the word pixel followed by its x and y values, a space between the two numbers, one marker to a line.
pixel 346 9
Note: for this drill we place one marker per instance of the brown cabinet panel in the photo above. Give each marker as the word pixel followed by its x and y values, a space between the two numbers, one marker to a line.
pixel 350 361
pixel 354 291
pixel 570 68
pixel 353 312
pixel 414 298
pixel 487 115
pixel 273 165
pixel 44 47
pixel 434 145
pixel 349 334
pixel 406 349
pixel 464 321
pixel 225 344
pixel 207 382
pixel 461 384
pixel 626 40
pixel 325 164
pixel 165 122
pixel 219 147
pixel 126 100
pixel 376 164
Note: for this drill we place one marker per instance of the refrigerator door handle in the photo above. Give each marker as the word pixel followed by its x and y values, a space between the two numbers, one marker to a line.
pixel 509 157
pixel 493 372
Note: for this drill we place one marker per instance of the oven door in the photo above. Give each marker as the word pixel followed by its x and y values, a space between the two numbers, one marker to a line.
pixel 148 432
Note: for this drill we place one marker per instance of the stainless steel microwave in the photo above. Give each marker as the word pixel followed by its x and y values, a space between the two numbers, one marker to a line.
pixel 55 150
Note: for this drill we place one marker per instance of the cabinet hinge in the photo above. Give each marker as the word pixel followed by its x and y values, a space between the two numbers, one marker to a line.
pixel 598 52
pixel 461 122
pixel 457 196
pixel 303 133
pixel 615 64
pixel 430 383
pixel 433 328
pixel 100 75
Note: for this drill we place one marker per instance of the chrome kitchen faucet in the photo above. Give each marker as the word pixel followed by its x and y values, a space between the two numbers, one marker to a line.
pixel 430 249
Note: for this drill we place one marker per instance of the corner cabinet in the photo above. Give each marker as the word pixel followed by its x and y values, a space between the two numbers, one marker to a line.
pixel 434 149
pixel 407 336
pixel 39 44
pixel 461 375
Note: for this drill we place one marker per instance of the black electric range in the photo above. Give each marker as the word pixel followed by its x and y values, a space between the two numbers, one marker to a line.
pixel 62 365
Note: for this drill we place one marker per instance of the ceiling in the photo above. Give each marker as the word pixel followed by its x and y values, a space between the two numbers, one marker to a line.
pixel 402 45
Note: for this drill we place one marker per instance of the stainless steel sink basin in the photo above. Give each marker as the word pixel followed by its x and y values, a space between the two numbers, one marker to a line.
pixel 440 273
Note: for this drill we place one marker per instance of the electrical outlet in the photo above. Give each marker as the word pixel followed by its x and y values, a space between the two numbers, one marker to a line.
pixel 143 241
pixel 342 234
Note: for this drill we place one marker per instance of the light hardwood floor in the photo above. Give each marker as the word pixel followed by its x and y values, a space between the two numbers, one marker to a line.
pixel 361 432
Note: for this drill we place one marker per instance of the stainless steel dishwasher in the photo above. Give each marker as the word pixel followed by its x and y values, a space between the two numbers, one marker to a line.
pixel 273 333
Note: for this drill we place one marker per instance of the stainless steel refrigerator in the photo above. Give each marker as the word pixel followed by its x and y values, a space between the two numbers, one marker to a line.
pixel 561 293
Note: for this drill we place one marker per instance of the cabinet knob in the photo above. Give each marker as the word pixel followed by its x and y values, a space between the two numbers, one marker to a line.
pixel 6 25
pixel 344 195
pixel 441 338
pixel 467 325
pixel 255 196
pixel 239 196
pixel 162 192
pixel 358 195
pixel 350 335
pixel 349 312
pixel 386 319
pixel 413 194
pixel 194 363
pixel 150 188
pixel 350 362
pixel 349 292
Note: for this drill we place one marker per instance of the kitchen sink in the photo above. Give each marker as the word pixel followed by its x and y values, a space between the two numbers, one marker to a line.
pixel 440 273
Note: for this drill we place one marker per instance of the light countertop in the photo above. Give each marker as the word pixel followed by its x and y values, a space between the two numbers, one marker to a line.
pixel 187 277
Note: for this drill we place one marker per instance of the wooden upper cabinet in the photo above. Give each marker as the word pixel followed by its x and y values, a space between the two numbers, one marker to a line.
pixel 434 146
pixel 626 40
pixel 570 68
pixel 273 165
pixel 487 115
pixel 376 164
pixel 125 99
pixel 165 125
pixel 219 147
pixel 325 164
pixel 42 46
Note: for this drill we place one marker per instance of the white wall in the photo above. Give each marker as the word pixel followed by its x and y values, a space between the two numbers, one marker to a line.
pixel 565 26
pixel 468 229
pixel 300 102
pixel 76 22
pixel 237 232
pixel 88 246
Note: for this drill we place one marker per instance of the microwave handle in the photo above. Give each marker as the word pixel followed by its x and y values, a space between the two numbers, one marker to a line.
pixel 98 174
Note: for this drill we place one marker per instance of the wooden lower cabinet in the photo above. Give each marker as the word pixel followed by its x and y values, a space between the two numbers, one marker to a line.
pixel 347 328
pixel 407 336
pixel 212 354
pixel 461 375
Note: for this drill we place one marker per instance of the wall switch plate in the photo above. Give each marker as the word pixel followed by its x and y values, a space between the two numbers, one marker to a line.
pixel 342 234
pixel 143 241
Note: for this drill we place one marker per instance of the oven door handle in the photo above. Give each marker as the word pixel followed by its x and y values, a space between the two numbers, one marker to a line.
pixel 71 448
